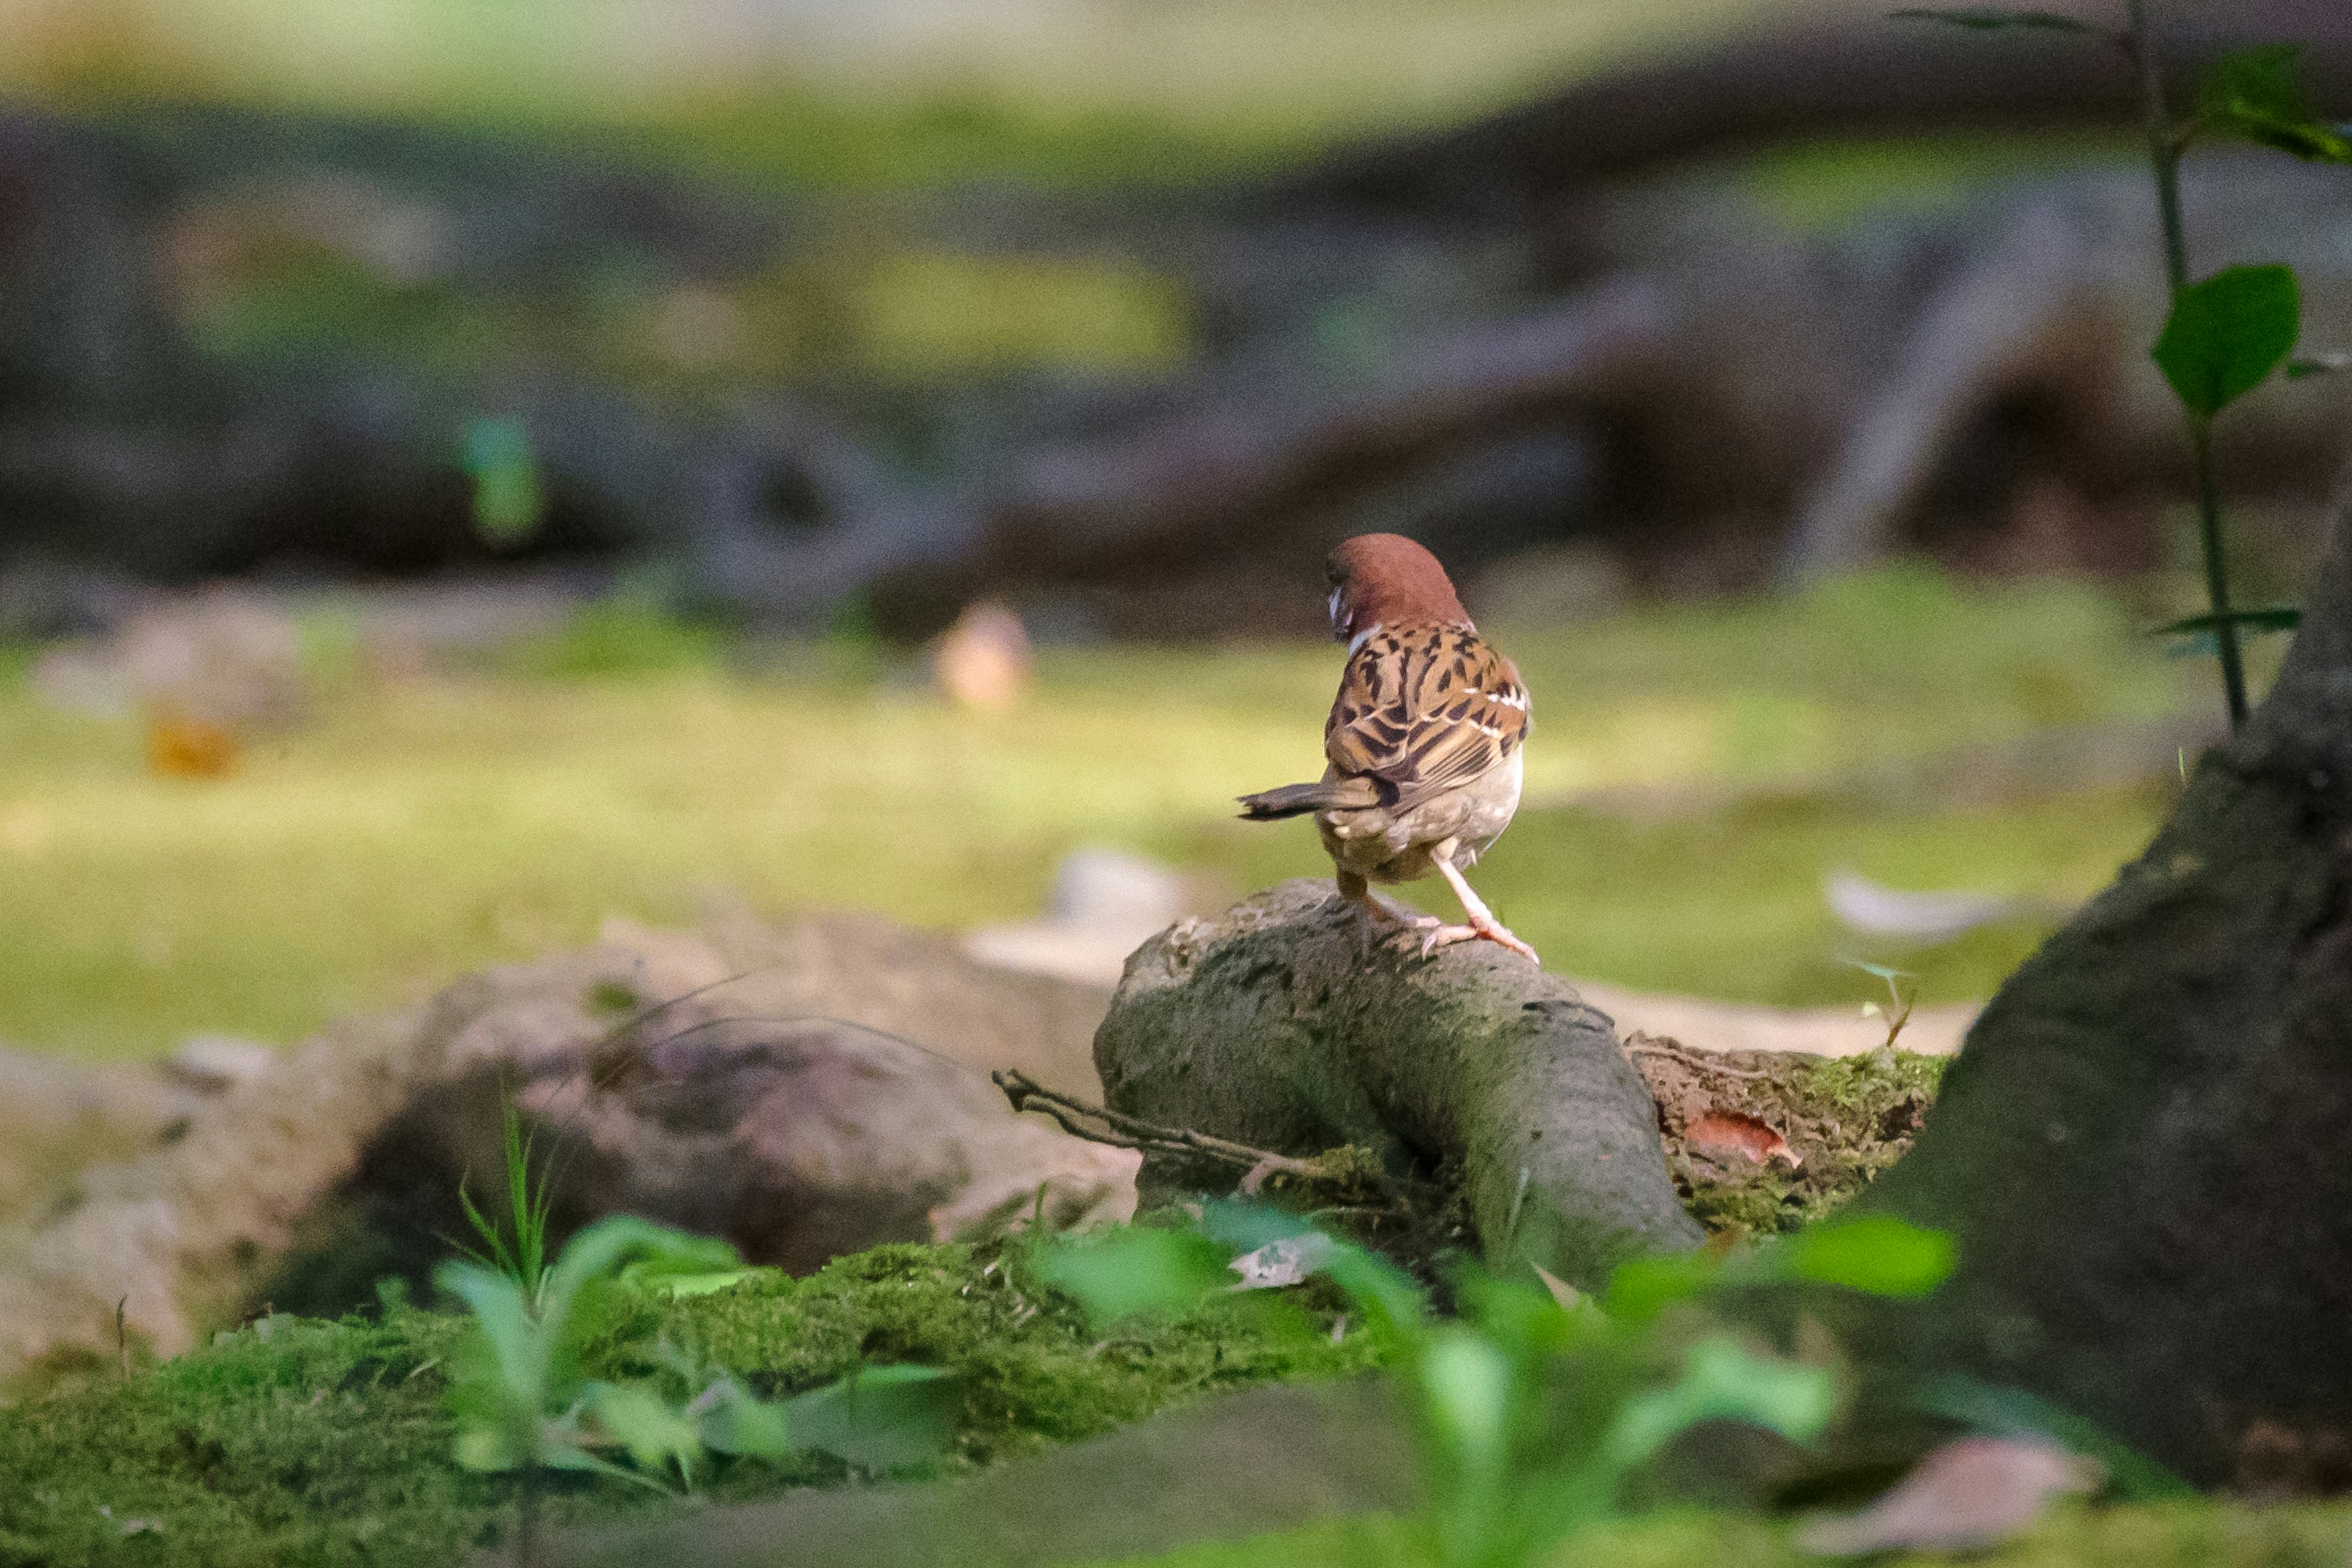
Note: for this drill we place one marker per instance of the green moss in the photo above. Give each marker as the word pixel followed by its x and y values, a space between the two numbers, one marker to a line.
pixel 304 1442
pixel 1848 1120
pixel 2199 1534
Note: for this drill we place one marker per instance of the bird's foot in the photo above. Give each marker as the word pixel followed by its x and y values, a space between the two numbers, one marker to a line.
pixel 1388 921
pixel 1489 929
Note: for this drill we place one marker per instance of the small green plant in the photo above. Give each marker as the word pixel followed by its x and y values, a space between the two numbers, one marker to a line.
pixel 1536 1403
pixel 2225 333
pixel 524 1404
pixel 523 1260
pixel 1899 1001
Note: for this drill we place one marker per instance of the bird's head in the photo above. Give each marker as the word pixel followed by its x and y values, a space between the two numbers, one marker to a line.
pixel 1385 579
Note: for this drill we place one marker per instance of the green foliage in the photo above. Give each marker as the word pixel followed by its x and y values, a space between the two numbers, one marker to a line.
pixel 2227 333
pixel 2257 94
pixel 301 1443
pixel 1138 1272
pixel 521 1397
pixel 1534 1406
pixel 524 1260
pixel 1850 1115
pixel 508 498
pixel 2183 1534
pixel 626 633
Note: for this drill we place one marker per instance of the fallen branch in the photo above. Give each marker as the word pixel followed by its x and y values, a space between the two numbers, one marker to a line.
pixel 1099 1124
pixel 1362 1193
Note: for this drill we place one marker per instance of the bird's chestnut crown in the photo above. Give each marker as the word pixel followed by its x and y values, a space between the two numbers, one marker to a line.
pixel 1387 580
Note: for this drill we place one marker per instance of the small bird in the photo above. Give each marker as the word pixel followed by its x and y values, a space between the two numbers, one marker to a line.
pixel 1422 742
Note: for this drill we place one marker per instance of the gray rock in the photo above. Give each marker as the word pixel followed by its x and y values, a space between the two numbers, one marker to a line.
pixel 214 1064
pixel 800 1090
pixel 1285 1025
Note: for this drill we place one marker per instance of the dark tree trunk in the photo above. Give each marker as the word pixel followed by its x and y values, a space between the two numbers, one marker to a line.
pixel 2145 1150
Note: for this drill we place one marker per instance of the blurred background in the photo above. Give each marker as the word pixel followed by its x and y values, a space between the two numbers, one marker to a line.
pixel 471 468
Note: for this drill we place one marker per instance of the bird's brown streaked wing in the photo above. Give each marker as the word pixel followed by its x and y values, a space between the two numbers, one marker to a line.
pixel 1422 710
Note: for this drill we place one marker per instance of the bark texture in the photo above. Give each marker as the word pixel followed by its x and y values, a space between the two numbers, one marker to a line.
pixel 1284 1023
pixel 2145 1148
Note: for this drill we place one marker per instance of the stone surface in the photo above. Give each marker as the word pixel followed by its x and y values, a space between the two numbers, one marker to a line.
pixel 803 1090
pixel 1286 1024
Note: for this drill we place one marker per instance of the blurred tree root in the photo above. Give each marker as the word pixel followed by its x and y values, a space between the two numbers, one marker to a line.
pixel 2145 1152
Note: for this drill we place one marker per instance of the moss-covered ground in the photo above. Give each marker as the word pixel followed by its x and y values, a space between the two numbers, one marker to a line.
pixel 299 1442
pixel 2173 1535
pixel 1685 801
pixel 1844 1120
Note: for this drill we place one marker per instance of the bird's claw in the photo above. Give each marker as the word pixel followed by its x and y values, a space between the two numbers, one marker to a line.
pixel 1489 931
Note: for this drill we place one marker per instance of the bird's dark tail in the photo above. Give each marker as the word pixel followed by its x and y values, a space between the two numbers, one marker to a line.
pixel 1297 800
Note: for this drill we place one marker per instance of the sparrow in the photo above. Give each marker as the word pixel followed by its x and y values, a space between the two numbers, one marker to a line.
pixel 1423 743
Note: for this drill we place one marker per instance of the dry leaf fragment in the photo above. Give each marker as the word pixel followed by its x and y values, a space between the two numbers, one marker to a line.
pixel 1735 1132
pixel 1288 1262
pixel 1967 1495
pixel 190 748
pixel 1569 1297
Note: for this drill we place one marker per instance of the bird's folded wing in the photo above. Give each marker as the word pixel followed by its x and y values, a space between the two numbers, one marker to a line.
pixel 1422 710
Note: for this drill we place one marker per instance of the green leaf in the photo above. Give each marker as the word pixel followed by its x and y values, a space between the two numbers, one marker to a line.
pixel 1640 1288
pixel 1987 19
pixel 662 1277
pixel 487 1447
pixel 2268 618
pixel 641 1421
pixel 1467 1394
pixel 508 499
pixel 1878 1254
pixel 599 1252
pixel 2227 333
pixel 1721 1381
pixel 517 1345
pixel 879 1418
pixel 560 1457
pixel 2257 94
pixel 1384 1293
pixel 1138 1271
pixel 738 1423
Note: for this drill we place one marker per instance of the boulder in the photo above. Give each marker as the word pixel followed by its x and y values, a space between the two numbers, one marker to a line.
pixel 803 1091
pixel 1288 1024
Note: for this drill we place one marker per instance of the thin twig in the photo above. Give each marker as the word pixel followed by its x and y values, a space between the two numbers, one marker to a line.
pixel 1100 1124
pixel 1644 1045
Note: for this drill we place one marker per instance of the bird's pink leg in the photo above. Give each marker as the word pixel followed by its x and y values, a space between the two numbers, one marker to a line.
pixel 1482 922
pixel 1383 913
